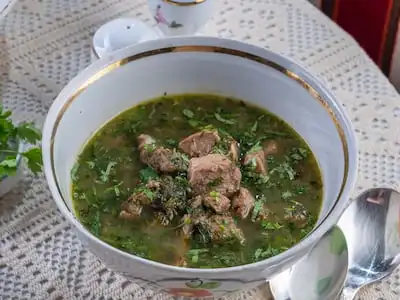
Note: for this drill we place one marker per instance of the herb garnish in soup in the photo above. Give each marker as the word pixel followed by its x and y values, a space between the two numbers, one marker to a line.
pixel 198 181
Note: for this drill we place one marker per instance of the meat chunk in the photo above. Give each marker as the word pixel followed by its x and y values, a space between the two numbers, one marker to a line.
pixel 153 184
pixel 271 148
pixel 187 228
pixel 243 203
pixel 159 158
pixel 195 220
pixel 234 151
pixel 217 202
pixel 145 141
pixel 196 202
pixel 213 172
pixel 132 208
pixel 199 143
pixel 223 228
pixel 255 159
pixel 132 212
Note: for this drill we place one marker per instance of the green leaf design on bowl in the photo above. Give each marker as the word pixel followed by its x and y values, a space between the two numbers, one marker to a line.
pixel 337 241
pixel 211 285
pixel 323 285
pixel 198 283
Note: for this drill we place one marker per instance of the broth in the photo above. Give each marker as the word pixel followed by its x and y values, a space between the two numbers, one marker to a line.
pixel 179 212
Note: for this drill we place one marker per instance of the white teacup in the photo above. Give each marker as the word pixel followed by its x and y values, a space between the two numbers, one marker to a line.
pixel 180 17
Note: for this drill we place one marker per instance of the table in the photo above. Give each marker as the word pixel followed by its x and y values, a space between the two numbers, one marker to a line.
pixel 44 43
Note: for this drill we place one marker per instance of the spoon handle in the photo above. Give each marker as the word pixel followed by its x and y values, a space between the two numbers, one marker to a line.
pixel 348 293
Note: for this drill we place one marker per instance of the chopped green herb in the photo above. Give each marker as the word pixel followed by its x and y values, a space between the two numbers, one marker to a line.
pixel 96 223
pixel 298 154
pixel 262 254
pixel 117 189
pixel 254 127
pixel 105 175
pixel 74 172
pixel 270 225
pixel 257 147
pixel 250 177
pixel 300 190
pixel 194 254
pixel 223 120
pixel 147 174
pixel 214 194
pixel 287 195
pixel 257 209
pixel 285 171
pixel 150 147
pixel 188 113
pixel 194 123
pixel 172 143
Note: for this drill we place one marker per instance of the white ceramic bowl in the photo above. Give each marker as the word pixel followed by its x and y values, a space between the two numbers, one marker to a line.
pixel 200 65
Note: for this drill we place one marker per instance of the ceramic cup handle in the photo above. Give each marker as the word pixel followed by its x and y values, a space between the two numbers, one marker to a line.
pixel 180 17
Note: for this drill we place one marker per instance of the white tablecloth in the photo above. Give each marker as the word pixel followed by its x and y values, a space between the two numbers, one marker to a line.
pixel 44 43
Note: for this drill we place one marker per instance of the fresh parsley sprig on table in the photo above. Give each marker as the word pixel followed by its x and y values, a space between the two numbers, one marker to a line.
pixel 10 137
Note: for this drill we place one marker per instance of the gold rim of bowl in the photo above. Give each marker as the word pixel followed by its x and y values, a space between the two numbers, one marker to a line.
pixel 179 3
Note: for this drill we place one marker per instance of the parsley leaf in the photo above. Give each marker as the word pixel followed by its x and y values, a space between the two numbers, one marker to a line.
pixel 10 136
pixel 34 159
pixel 8 165
pixel 28 133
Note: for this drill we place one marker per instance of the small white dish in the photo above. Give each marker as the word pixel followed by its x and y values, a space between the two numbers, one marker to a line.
pixel 120 33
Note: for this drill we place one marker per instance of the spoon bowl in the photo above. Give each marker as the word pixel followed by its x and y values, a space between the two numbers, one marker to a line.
pixel 371 227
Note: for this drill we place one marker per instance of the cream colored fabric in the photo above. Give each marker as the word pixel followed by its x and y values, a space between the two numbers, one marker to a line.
pixel 44 43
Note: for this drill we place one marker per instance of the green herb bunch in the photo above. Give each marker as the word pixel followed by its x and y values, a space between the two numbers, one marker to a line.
pixel 10 137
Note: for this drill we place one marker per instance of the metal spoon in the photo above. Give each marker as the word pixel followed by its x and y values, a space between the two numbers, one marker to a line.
pixel 371 227
pixel 372 230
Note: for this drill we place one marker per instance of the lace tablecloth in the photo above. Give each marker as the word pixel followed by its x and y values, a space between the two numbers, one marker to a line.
pixel 44 43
